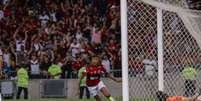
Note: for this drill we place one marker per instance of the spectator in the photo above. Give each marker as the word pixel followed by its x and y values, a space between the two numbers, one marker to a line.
pixel 112 50
pixel 53 16
pixel 68 66
pixel 1 13
pixel 45 62
pixel 44 65
pixel 136 67
pixel 54 28
pixel 96 36
pixel 78 63
pixel 19 41
pixel 75 48
pixel 150 67
pixel 106 63
pixel 44 18
pixel 7 70
pixel 36 45
pixel 34 67
pixel 21 55
pixel 7 57
pixel 1 58
pixel 79 34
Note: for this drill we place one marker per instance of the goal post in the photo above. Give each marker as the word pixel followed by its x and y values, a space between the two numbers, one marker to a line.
pixel 160 39
pixel 160 48
pixel 124 44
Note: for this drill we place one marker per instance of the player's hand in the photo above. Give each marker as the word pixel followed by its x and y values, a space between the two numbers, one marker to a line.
pixel 119 80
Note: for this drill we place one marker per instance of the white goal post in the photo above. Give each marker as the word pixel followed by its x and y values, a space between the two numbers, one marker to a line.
pixel 160 39
pixel 124 44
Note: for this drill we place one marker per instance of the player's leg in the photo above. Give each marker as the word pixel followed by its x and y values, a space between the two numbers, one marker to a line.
pixel 97 97
pixel 106 93
pixel 94 92
pixel 19 92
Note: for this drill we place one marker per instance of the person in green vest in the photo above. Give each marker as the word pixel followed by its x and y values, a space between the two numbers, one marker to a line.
pixel 190 74
pixel 22 81
pixel 54 71
pixel 82 84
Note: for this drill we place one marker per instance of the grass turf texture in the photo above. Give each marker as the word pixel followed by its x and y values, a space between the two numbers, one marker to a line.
pixel 51 100
pixel 77 100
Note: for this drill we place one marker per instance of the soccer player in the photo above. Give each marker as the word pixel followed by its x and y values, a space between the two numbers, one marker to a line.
pixel 93 82
pixel 161 96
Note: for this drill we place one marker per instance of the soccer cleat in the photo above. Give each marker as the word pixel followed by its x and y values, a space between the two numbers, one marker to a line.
pixel 111 99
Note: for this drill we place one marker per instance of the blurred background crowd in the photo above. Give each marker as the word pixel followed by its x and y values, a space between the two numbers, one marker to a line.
pixel 39 33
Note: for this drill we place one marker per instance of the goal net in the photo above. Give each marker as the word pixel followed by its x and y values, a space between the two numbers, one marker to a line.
pixel 180 48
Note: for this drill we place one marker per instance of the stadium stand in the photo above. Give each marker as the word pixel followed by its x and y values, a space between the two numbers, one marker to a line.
pixel 40 32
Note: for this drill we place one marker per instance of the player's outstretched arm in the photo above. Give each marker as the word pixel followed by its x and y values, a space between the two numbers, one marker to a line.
pixel 113 78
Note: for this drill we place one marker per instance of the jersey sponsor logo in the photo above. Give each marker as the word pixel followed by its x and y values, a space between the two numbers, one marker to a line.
pixel 94 78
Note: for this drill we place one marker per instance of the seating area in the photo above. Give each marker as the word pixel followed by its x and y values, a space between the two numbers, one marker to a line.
pixel 40 32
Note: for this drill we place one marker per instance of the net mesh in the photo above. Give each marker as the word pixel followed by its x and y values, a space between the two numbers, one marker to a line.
pixel 181 50
pixel 186 4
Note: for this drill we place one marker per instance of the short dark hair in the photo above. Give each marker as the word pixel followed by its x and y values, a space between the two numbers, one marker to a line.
pixel 161 96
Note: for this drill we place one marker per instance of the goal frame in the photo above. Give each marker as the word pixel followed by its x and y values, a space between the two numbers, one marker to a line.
pixel 124 50
pixel 124 45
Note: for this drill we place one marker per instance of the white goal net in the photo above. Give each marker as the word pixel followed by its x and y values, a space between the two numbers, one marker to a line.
pixel 181 29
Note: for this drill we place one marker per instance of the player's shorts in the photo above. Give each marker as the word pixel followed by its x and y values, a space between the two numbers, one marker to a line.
pixel 95 89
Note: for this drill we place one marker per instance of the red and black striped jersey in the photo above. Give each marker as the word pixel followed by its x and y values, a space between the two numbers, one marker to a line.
pixel 93 74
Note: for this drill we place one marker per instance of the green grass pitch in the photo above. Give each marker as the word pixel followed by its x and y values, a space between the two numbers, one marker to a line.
pixel 52 100
pixel 78 100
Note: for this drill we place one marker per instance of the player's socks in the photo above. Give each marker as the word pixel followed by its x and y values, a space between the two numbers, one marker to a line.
pixel 111 98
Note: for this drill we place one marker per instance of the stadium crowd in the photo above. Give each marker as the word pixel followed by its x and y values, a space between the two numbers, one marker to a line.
pixel 42 32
